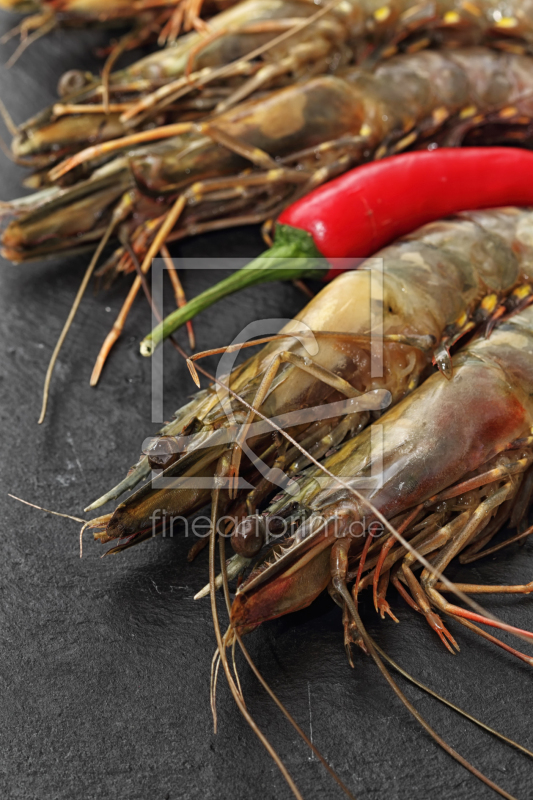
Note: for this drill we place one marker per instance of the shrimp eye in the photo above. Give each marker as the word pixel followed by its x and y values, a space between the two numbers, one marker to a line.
pixel 249 536
pixel 72 81
pixel 163 453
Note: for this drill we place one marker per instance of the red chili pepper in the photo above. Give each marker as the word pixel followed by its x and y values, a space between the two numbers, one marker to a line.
pixel 357 214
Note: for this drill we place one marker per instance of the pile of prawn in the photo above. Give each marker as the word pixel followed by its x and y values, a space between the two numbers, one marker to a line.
pixel 443 470
pixel 433 287
pixel 440 474
pixel 439 483
pixel 254 46
pixel 456 454
pixel 252 157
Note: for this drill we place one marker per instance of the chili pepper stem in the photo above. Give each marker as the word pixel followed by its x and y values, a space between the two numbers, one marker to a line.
pixel 293 256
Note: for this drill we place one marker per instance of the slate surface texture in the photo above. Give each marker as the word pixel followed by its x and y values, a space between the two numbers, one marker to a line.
pixel 105 664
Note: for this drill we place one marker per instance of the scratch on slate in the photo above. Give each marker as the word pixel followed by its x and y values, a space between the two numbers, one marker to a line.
pixel 312 756
pixel 70 440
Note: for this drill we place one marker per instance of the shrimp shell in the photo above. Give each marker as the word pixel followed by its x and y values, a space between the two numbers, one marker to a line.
pixel 310 132
pixel 350 32
pixel 433 283
pixel 443 434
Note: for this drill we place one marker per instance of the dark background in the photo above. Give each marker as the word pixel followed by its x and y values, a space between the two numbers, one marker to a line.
pixel 105 664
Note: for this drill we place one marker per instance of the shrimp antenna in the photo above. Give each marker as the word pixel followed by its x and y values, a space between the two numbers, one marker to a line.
pixel 290 718
pixel 341 587
pixel 524 635
pixel 234 665
pixel 85 523
pixel 8 119
pixel 26 41
pixel 236 638
pixel 221 642
pixel 179 293
pixel 448 703
pixel 46 510
pixel 77 300
pixel 215 666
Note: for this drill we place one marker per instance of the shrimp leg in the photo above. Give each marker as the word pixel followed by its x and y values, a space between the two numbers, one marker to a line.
pixel 317 443
pixel 307 365
pixel 424 605
pixel 435 542
pixel 382 604
pixel 493 639
pixel 299 54
pixel 475 588
pixel 462 538
pixel 241 148
pixel 491 550
pixel 339 569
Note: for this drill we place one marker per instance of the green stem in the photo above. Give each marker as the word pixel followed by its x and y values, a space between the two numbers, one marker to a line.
pixel 293 256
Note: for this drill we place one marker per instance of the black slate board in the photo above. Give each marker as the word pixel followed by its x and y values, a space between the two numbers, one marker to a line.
pixel 105 664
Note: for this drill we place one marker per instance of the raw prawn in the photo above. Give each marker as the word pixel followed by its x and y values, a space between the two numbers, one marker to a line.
pixel 450 465
pixel 294 138
pixel 256 45
pixel 435 285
